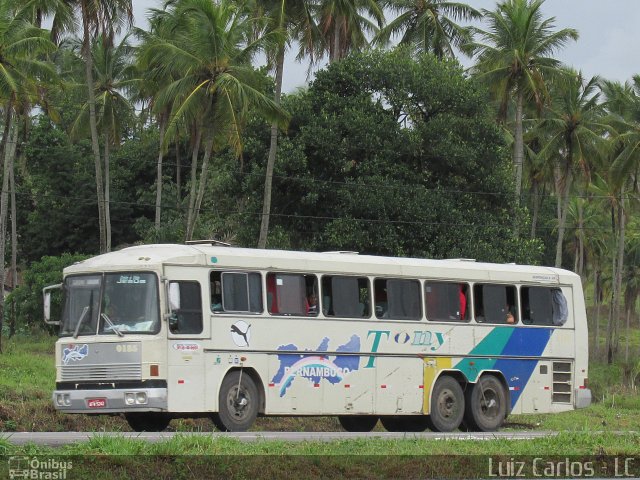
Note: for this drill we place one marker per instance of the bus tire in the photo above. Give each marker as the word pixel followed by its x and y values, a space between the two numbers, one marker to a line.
pixel 447 405
pixel 405 423
pixel 147 421
pixel 486 405
pixel 358 423
pixel 238 405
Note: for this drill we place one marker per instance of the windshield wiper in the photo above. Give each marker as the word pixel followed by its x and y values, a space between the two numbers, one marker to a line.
pixel 80 320
pixel 113 327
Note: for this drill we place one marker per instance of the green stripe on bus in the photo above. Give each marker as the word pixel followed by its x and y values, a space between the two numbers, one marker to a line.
pixel 492 344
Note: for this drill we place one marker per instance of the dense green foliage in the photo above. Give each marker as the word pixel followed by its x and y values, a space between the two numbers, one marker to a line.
pixel 392 155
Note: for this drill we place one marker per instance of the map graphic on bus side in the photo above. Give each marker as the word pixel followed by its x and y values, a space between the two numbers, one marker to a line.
pixel 315 368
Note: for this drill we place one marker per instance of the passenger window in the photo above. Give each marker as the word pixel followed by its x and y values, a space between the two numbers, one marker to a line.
pixel 495 303
pixel 543 306
pixel 347 297
pixel 397 299
pixel 292 294
pixel 189 313
pixel 446 301
pixel 236 292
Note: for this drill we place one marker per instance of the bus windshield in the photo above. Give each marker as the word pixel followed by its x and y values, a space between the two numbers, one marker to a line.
pixel 110 304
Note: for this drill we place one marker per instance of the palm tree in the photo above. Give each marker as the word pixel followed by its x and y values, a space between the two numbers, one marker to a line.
pixel 21 70
pixel 575 132
pixel 429 25
pixel 623 103
pixel 113 74
pixel 514 58
pixel 205 47
pixel 344 24
pixel 289 20
pixel 105 18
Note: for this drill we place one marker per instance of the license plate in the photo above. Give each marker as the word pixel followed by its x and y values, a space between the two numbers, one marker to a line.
pixel 96 402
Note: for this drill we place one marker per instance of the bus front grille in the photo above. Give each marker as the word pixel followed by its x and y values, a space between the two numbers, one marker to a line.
pixel 124 371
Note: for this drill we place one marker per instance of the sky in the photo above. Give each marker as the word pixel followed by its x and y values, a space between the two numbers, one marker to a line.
pixel 609 43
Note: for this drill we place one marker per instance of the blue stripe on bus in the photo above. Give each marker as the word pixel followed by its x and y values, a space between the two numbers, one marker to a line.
pixel 527 342
pixel 521 342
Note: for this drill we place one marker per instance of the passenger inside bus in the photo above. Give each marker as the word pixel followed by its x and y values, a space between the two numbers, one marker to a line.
pixel 312 304
pixel 216 296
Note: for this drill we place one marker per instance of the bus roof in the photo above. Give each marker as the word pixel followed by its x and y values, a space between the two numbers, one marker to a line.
pixel 154 257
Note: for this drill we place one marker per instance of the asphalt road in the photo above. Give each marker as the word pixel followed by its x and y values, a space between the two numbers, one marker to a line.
pixel 55 439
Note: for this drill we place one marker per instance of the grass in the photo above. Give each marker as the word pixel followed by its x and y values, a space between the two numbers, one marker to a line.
pixel 25 405
pixel 25 402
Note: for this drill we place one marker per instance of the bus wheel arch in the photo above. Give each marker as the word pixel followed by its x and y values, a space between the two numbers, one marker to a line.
pixel 487 402
pixel 241 398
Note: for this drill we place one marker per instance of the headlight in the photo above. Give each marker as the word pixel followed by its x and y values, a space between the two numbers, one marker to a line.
pixel 59 399
pixel 130 398
pixel 67 400
pixel 141 398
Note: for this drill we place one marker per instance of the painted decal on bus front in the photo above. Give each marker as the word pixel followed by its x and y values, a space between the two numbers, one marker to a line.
pixel 315 368
pixel 74 353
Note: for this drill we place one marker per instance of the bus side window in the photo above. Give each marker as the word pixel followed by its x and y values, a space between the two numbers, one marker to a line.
pixel 345 297
pixel 189 315
pixel 236 292
pixel 404 299
pixel 543 306
pixel 446 301
pixel 495 303
pixel 289 293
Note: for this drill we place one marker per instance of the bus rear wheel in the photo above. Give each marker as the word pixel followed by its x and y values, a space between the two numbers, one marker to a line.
pixel 358 423
pixel 486 405
pixel 238 403
pixel 447 405
pixel 406 423
pixel 147 421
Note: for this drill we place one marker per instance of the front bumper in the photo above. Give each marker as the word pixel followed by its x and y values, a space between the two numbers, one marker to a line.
pixel 117 400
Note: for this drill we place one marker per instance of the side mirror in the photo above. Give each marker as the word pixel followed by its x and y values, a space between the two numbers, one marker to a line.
pixel 46 292
pixel 174 296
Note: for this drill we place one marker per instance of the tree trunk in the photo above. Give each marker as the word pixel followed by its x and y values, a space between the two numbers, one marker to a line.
pixel 518 146
pixel 580 267
pixel 14 247
pixel 178 173
pixel 159 176
pixel 9 153
pixel 93 124
pixel 564 185
pixel 334 54
pixel 194 175
pixel 620 265
pixel 536 208
pixel 596 288
pixel 202 185
pixel 271 160
pixel 626 338
pixel 107 190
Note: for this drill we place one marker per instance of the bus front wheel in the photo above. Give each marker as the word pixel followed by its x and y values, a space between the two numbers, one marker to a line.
pixel 238 403
pixel 486 405
pixel 358 423
pixel 447 405
pixel 147 421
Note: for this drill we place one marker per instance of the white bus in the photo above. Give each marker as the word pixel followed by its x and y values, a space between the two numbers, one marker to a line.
pixel 163 331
